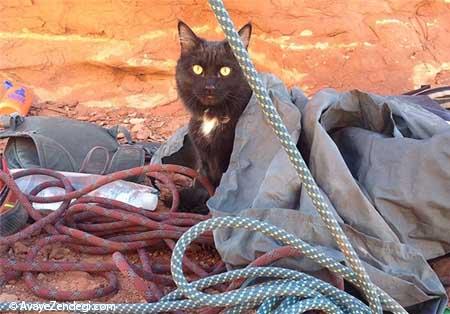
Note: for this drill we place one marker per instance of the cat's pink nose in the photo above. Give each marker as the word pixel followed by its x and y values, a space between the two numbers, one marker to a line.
pixel 210 87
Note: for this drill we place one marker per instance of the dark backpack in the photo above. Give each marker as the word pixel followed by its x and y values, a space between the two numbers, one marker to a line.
pixel 64 144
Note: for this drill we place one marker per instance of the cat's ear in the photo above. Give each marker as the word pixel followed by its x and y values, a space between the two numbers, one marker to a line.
pixel 188 39
pixel 245 32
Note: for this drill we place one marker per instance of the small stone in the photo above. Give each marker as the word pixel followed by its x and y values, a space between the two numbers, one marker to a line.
pixel 6 297
pixel 79 280
pixel 143 135
pixel 137 120
pixel 59 253
pixel 137 128
pixel 51 113
pixel 41 277
pixel 20 248
pixel 160 125
pixel 4 249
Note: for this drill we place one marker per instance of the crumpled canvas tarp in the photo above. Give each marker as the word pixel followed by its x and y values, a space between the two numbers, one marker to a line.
pixel 382 164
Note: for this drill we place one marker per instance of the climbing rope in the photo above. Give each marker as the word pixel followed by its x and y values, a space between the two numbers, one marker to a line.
pixel 95 225
pixel 273 118
pixel 288 291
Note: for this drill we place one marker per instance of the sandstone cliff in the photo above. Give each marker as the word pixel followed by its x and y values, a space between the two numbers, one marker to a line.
pixel 123 52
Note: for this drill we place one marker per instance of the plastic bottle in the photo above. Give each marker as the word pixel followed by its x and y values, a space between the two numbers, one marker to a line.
pixel 15 100
pixel 6 85
pixel 131 193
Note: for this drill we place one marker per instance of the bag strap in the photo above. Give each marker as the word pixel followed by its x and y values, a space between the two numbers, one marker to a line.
pixel 115 130
pixel 85 164
pixel 11 121
pixel 127 157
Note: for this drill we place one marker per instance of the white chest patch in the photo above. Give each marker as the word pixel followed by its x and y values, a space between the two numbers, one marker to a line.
pixel 208 125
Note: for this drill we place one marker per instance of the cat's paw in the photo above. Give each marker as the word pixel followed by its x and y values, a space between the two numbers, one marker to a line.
pixel 193 200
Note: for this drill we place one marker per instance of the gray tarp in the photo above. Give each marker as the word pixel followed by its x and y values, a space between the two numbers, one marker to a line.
pixel 383 165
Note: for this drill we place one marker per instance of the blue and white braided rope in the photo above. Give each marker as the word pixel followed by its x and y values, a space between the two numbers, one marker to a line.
pixel 274 119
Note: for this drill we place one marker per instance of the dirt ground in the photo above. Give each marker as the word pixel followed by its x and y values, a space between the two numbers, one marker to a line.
pixel 145 125
pixel 155 124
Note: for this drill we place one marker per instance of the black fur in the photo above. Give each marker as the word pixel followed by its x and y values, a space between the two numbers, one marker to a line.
pixel 210 95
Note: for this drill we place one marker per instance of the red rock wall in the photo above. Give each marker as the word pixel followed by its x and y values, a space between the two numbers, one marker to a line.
pixel 123 52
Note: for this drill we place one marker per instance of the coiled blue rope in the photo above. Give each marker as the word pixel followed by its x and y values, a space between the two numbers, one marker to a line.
pixel 274 119
pixel 289 291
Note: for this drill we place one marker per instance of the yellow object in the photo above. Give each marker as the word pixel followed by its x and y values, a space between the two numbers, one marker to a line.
pixel 15 99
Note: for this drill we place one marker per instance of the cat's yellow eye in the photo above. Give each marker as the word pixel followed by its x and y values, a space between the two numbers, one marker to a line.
pixel 197 69
pixel 225 71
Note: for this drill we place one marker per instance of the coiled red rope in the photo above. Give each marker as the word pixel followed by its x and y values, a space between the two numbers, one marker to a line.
pixel 98 225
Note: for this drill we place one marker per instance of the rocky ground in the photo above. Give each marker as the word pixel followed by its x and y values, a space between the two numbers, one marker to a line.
pixel 151 124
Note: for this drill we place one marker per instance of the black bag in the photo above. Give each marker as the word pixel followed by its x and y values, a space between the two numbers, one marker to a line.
pixel 64 144
pixel 440 96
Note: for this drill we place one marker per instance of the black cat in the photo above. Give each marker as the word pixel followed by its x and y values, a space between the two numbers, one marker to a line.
pixel 214 90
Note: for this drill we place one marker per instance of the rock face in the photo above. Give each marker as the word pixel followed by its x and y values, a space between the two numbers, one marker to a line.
pixel 123 52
